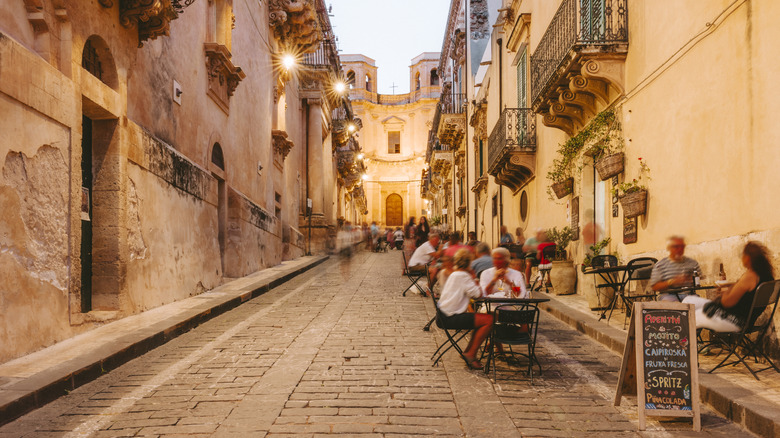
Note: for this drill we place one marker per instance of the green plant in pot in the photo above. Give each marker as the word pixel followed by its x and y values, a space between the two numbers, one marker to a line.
pixel 563 275
pixel 593 251
pixel 632 194
pixel 435 221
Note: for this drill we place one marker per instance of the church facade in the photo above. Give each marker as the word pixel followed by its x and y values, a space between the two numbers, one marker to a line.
pixel 394 137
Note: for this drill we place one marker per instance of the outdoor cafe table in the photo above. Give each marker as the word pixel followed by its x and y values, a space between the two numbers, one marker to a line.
pixel 682 292
pixel 616 277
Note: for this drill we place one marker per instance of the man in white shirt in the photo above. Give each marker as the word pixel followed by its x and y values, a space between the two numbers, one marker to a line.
pixel 501 278
pixel 424 255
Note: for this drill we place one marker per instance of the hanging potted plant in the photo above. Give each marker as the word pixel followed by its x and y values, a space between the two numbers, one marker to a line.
pixel 563 275
pixel 608 153
pixel 633 194
pixel 560 174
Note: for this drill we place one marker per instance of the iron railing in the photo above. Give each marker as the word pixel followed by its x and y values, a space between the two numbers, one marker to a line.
pixel 453 103
pixel 324 57
pixel 601 23
pixel 514 131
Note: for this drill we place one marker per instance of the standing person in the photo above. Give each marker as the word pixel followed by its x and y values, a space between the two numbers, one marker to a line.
pixel 501 278
pixel 674 271
pixel 410 237
pixel 505 239
pixel 374 236
pixel 454 302
pixel 389 237
pixel 729 311
pixel 472 239
pixel 423 229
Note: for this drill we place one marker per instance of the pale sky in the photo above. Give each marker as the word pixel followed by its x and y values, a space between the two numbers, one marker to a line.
pixel 390 31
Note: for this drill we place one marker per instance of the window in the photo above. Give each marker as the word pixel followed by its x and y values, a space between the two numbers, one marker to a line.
pixel 434 78
pixel 481 158
pixel 495 205
pixel 524 206
pixel 351 79
pixel 522 81
pixel 394 142
pixel 417 81
pixel 368 83
pixel 217 157
pixel 90 60
pixel 278 205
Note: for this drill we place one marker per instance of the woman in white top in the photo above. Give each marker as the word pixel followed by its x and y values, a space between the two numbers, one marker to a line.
pixel 454 302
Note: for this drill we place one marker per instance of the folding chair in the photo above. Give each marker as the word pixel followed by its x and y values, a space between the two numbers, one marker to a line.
pixel 766 296
pixel 638 269
pixel 458 333
pixel 515 325
pixel 414 277
pixel 543 275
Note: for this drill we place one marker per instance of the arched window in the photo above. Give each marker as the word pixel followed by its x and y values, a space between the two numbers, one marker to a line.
pixel 434 78
pixel 417 81
pixel 368 83
pixel 217 158
pixel 351 79
pixel 97 60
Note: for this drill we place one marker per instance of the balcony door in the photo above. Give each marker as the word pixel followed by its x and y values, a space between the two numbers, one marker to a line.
pixel 394 211
pixel 522 94
pixel 592 20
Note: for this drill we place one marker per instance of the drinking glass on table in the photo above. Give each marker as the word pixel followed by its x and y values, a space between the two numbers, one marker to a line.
pixel 515 291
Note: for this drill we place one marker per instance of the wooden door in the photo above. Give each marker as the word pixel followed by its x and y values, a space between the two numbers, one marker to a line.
pixel 394 211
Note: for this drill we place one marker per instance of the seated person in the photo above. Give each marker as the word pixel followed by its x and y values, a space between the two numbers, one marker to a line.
pixel 501 278
pixel 531 249
pixel 461 286
pixel 425 254
pixel 456 243
pixel 505 238
pixel 729 311
pixel 442 274
pixel 399 238
pixel 483 260
pixel 674 271
pixel 472 239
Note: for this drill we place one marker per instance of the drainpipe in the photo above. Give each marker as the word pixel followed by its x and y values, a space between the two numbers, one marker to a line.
pixel 500 107
pixel 308 180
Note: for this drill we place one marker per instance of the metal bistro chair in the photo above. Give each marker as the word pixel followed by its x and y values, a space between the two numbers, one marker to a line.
pixel 603 261
pixel 515 325
pixel 454 335
pixel 414 277
pixel 766 297
pixel 637 270
pixel 543 274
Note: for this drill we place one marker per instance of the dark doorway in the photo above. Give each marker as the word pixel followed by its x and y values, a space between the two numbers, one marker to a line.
pixel 86 214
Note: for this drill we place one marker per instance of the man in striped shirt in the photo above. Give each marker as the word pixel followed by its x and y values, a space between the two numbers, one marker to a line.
pixel 674 271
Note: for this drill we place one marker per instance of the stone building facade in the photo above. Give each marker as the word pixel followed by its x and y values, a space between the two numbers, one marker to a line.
pixel 394 137
pixel 153 149
pixel 686 90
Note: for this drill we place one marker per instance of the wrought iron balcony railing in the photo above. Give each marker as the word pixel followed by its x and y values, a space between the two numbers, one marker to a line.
pixel 325 57
pixel 577 24
pixel 453 103
pixel 514 131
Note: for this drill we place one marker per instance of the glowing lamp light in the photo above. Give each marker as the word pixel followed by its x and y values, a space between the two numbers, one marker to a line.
pixel 365 177
pixel 425 201
pixel 360 156
pixel 288 61
pixel 340 87
pixel 351 128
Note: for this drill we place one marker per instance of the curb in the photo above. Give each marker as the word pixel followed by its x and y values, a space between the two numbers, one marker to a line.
pixel 33 392
pixel 740 405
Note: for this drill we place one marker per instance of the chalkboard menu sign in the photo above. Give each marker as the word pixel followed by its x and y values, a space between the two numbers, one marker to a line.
pixel 660 362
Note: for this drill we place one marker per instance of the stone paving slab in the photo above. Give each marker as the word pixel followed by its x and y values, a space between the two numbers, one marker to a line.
pixel 731 391
pixel 338 350
pixel 32 381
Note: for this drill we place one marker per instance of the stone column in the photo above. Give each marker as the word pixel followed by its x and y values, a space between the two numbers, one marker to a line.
pixel 316 183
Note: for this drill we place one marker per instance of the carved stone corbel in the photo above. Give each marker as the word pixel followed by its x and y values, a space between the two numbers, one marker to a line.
pixel 295 24
pixel 223 75
pixel 151 17
pixel 282 145
pixel 610 71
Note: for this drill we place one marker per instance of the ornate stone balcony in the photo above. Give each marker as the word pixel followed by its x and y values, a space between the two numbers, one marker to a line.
pixel 282 146
pixel 223 75
pixel 512 148
pixel 441 161
pixel 151 17
pixel 578 66
pixel 296 24
pixel 452 124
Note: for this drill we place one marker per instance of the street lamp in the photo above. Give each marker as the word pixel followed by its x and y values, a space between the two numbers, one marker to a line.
pixel 360 156
pixel 340 87
pixel 288 61
pixel 351 127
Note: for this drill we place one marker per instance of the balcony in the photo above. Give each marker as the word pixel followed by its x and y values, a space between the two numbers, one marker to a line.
pixel 578 67
pixel 452 124
pixel 441 161
pixel 512 148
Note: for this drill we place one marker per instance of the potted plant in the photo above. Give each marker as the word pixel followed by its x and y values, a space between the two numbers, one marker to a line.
pixel 607 153
pixel 633 194
pixel 560 174
pixel 563 276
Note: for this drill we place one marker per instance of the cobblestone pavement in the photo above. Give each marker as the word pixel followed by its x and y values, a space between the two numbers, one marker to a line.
pixel 339 351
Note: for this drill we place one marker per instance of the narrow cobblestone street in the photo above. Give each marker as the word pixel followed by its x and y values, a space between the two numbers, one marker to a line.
pixel 338 350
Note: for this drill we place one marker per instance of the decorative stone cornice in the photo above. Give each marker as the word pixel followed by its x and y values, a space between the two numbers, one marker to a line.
pixel 295 24
pixel 282 145
pixel 223 75
pixel 452 130
pixel 152 17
